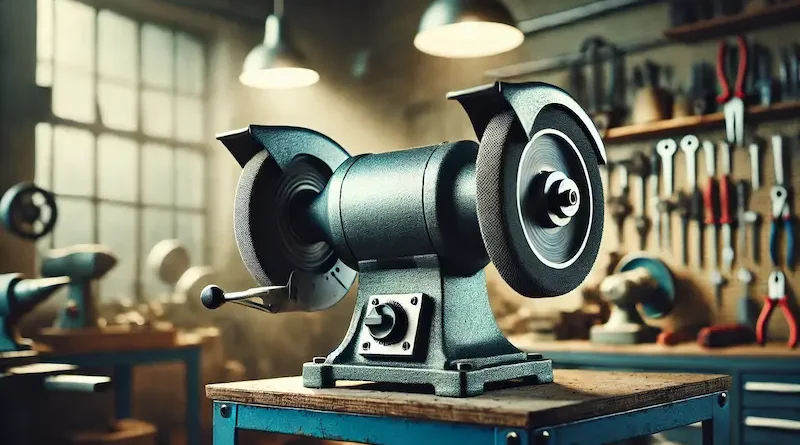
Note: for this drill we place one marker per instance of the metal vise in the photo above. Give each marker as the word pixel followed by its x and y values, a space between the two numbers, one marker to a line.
pixel 18 296
pixel 82 264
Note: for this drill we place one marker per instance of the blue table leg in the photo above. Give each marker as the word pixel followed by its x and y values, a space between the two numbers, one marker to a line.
pixel 717 430
pixel 123 392
pixel 193 415
pixel 225 415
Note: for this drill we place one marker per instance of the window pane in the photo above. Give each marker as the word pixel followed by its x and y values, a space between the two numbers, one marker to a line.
pixel 118 106
pixel 190 232
pixel 73 162
pixel 44 154
pixel 117 47
pixel 44 43
pixel 116 168
pixel 191 64
pixel 76 222
pixel 118 231
pixel 157 227
pixel 190 119
pixel 157 113
pixel 74 35
pixel 157 60
pixel 158 174
pixel 189 178
pixel 73 95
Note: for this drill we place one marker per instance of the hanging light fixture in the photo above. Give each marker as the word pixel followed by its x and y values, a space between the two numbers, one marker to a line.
pixel 273 63
pixel 467 28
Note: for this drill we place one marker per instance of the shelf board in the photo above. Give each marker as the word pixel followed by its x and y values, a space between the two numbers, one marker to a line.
pixel 736 24
pixel 668 127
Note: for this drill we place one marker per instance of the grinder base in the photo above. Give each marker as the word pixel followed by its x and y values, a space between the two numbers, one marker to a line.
pixel 447 383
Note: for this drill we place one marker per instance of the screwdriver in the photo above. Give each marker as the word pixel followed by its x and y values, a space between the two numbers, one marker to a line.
pixel 725 191
pixel 709 195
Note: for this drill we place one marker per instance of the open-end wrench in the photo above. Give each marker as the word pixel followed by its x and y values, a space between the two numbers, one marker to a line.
pixel 687 205
pixel 619 206
pixel 654 198
pixel 640 167
pixel 689 145
pixel 666 148
pixel 725 193
pixel 755 165
pixel 684 207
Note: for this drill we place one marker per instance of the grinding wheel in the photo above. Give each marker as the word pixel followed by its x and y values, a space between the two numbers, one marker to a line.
pixel 268 235
pixel 28 211
pixel 540 201
pixel 168 259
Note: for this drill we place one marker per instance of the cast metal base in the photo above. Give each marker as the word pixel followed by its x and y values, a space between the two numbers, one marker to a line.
pixel 447 383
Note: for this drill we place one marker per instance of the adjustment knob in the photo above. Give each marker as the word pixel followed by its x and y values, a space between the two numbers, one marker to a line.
pixel 387 322
pixel 212 297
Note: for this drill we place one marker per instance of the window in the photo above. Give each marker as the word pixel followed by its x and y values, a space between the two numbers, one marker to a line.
pixel 124 145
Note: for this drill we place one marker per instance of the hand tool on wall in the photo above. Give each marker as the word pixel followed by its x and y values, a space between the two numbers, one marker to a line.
pixel 776 296
pixel 665 207
pixel 641 286
pixel 725 205
pixel 666 148
pixel 709 197
pixel 741 208
pixel 640 166
pixel 83 264
pixel 655 163
pixel 731 74
pixel 684 206
pixel 689 145
pixel 753 220
pixel 755 164
pixel 619 206
pixel 781 213
pixel 744 314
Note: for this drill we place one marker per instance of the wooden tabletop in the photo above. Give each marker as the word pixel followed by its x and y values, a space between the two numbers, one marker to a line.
pixel 574 395
pixel 771 350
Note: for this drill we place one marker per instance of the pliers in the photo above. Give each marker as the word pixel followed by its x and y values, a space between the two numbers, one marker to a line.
pixel 776 296
pixel 732 61
pixel 781 216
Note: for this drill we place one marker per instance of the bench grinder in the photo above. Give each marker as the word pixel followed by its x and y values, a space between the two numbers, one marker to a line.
pixel 419 226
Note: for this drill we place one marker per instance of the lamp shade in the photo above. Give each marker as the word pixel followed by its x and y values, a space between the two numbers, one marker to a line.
pixel 273 64
pixel 467 28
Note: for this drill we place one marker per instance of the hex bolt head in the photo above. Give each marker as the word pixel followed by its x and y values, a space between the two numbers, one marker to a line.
pixel 375 301
pixel 512 438
pixel 365 346
pixel 406 345
pixel 225 411
pixel 414 301
pixel 722 399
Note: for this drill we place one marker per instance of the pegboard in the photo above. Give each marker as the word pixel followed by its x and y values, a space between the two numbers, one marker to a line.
pixel 697 303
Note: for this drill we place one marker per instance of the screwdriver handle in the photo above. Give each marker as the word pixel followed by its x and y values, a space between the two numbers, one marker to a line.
pixel 724 200
pixel 708 201
pixel 697 205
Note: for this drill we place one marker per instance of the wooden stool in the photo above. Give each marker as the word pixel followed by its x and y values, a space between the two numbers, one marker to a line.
pixel 586 407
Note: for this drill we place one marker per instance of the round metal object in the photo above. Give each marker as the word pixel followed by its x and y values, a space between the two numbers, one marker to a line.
pixel 540 201
pixel 658 306
pixel 168 259
pixel 274 241
pixel 28 211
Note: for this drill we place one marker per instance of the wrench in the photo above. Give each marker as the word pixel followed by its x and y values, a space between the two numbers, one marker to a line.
pixel 753 220
pixel 755 166
pixel 640 166
pixel 725 208
pixel 688 206
pixel 666 148
pixel 708 200
pixel 655 199
pixel 745 314
pixel 689 145
pixel 741 208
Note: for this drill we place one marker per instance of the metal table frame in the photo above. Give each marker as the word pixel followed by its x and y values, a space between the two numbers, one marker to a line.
pixel 713 410
pixel 123 363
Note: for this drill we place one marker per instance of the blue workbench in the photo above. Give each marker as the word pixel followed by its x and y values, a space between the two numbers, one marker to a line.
pixel 585 407
pixel 187 352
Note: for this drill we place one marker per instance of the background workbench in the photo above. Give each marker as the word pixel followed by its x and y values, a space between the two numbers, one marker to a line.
pixel 765 395
pixel 579 407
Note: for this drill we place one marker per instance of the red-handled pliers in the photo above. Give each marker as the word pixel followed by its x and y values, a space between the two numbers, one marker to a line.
pixel 776 296
pixel 732 61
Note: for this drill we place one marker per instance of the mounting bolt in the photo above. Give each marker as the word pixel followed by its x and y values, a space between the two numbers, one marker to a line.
pixel 722 399
pixel 406 346
pixel 512 438
pixel 414 301
pixel 543 438
pixel 365 346
pixel 464 367
pixel 375 301
pixel 318 360
pixel 225 410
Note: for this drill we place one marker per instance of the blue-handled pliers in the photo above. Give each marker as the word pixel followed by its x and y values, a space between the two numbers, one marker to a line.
pixel 781 216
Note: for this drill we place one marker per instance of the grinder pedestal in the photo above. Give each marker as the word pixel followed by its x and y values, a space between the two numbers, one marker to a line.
pixel 451 340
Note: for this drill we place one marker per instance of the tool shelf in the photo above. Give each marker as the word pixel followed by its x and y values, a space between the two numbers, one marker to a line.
pixel 755 114
pixel 736 24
